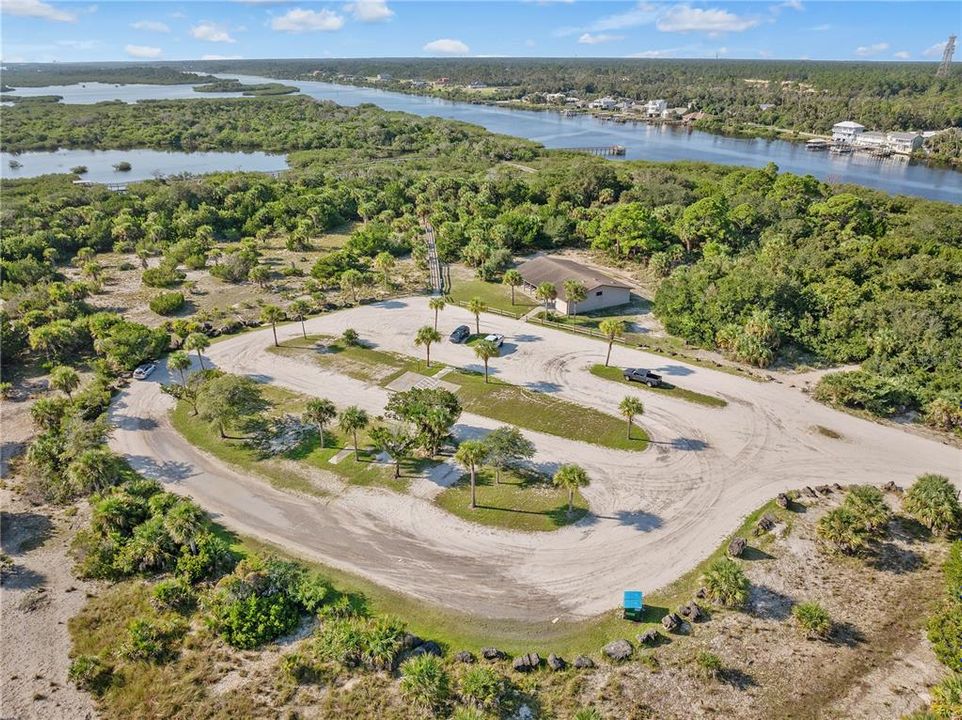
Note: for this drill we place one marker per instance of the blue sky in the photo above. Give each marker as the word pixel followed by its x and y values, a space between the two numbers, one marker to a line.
pixel 49 30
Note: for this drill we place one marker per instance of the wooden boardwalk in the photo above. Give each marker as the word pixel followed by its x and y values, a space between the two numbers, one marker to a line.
pixel 605 150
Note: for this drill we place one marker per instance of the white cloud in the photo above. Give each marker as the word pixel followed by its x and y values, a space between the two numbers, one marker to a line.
pixel 870 50
pixel 655 53
pixel 764 54
pixel 299 20
pixel 370 11
pixel 684 18
pixel 37 9
pixel 935 50
pixel 821 28
pixel 446 46
pixel 211 33
pixel 598 38
pixel 643 14
pixel 787 4
pixel 151 25
pixel 142 51
pixel 220 57
pixel 530 43
pixel 903 54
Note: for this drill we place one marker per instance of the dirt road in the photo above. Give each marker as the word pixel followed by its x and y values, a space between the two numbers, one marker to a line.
pixel 654 514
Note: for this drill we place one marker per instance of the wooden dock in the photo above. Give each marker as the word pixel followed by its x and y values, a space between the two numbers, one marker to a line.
pixel 604 150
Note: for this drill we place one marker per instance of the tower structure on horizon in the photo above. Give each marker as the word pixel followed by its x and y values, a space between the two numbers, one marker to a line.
pixel 943 70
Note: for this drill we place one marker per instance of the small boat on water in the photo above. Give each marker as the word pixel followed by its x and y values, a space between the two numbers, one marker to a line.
pixel 818 144
pixel 841 149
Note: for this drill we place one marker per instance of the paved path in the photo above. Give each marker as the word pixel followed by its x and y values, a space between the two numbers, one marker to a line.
pixel 654 514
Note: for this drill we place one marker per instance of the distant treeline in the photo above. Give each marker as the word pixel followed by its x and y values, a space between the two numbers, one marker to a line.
pixel 803 95
pixel 39 74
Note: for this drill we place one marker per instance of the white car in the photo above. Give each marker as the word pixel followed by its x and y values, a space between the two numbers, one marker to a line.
pixel 498 340
pixel 144 370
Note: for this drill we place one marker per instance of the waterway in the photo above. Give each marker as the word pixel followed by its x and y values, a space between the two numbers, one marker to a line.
pixel 895 175
pixel 144 164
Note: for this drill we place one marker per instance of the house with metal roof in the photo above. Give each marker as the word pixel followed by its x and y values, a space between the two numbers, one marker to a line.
pixel 602 290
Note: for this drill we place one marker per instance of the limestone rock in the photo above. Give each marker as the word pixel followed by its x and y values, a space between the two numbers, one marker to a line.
pixel 649 637
pixel 618 650
pixel 671 622
pixel 491 654
pixel 556 663
pixel 782 500
pixel 737 546
pixel 464 656
pixel 692 612
pixel 583 662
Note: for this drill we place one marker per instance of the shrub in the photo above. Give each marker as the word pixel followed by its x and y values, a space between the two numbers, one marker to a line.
pixel 943 414
pixel 122 166
pixel 90 673
pixel 867 504
pixel 152 639
pixel 174 594
pixel 79 169
pixel 934 502
pixel 163 276
pixel 945 634
pixel 249 622
pixel 353 641
pixel 813 619
pixel 947 697
pixel 470 713
pixel 842 531
pixel 863 390
pixel 725 583
pixel 425 682
pixel 587 714
pixel 709 664
pixel 482 687
pixel 953 571
pixel 312 591
pixel 350 337
pixel 300 668
pixel 168 303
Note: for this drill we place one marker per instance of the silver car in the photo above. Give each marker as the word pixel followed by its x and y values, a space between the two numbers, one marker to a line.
pixel 144 371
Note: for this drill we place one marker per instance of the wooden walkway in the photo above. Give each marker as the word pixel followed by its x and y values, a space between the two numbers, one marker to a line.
pixel 606 150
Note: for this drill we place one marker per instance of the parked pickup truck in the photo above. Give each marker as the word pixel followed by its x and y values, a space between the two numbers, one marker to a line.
pixel 643 376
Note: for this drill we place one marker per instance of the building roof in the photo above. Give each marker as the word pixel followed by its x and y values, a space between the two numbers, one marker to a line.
pixel 903 135
pixel 556 270
pixel 850 124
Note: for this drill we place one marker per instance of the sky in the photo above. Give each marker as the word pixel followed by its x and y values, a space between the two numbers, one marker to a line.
pixel 96 30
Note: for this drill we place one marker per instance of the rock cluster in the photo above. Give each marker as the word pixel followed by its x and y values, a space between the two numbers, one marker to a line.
pixel 671 622
pixel 526 663
pixel 491 654
pixel 649 637
pixel 556 663
pixel 583 662
pixel 692 612
pixel 463 656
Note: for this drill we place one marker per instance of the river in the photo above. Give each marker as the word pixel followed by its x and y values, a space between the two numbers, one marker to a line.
pixel 896 175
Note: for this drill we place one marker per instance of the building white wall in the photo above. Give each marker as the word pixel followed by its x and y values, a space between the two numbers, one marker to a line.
pixel 601 297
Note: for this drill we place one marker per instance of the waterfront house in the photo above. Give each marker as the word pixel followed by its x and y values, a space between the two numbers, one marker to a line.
pixel 846 132
pixel 605 103
pixel 654 108
pixel 905 143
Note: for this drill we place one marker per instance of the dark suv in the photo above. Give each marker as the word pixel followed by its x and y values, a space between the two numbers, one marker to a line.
pixel 460 334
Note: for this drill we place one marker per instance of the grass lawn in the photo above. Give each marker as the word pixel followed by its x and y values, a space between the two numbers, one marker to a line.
pixel 615 374
pixel 356 361
pixel 542 412
pixel 499 400
pixel 522 501
pixel 284 475
pixel 495 295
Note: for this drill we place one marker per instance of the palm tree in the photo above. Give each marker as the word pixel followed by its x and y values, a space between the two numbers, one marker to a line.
pixel 180 362
pixel 546 292
pixel 395 441
pixel 425 336
pixel 384 263
pixel 630 407
pixel 273 315
pixel 934 502
pixel 351 281
pixel 197 341
pixel 351 420
pixel 611 329
pixel 575 292
pixel 319 412
pixel 437 304
pixel 570 478
pixel 65 379
pixel 485 350
pixel 470 454
pixel 299 310
pixel 477 306
pixel 512 278
pixel 183 521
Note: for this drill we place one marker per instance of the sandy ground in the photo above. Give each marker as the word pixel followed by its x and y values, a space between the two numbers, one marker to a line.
pixel 654 514
pixel 37 598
